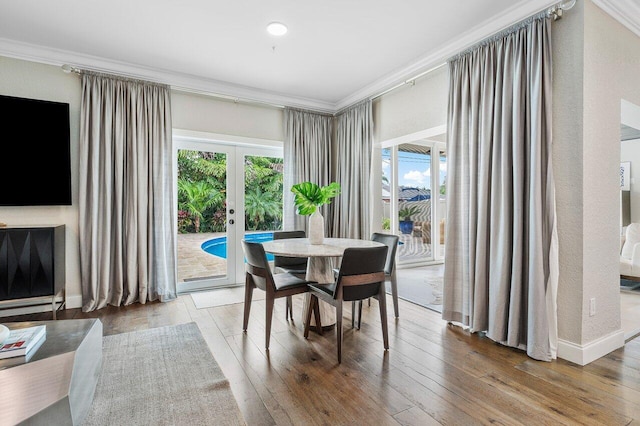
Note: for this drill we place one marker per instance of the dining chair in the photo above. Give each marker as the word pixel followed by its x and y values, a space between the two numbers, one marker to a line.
pixel 361 275
pixel 391 241
pixel 258 275
pixel 293 265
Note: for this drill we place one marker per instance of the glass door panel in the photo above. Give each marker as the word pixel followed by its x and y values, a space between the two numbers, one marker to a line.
pixel 442 205
pixel 385 196
pixel 414 203
pixel 263 193
pixel 205 241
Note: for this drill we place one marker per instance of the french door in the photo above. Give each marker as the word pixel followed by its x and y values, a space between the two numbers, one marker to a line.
pixel 224 192
pixel 413 199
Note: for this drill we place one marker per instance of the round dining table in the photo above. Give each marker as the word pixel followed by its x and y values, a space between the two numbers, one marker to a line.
pixel 320 264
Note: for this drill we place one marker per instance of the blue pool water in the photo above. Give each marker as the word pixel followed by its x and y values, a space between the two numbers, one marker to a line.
pixel 218 246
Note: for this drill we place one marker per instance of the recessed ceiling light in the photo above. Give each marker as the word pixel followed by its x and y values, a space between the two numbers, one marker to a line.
pixel 277 28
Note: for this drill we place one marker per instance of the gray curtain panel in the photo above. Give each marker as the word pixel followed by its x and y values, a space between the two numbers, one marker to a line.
pixel 127 220
pixel 501 257
pixel 354 143
pixel 307 157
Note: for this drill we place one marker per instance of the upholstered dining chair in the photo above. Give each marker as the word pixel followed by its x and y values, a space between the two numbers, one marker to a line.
pixel 391 241
pixel 293 265
pixel 258 275
pixel 361 275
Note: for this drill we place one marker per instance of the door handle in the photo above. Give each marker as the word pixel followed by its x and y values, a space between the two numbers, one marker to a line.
pixel 231 221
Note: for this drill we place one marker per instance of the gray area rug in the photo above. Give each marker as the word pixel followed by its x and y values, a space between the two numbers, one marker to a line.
pixel 421 286
pixel 162 376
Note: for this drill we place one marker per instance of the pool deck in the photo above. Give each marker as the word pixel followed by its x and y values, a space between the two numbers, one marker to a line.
pixel 193 262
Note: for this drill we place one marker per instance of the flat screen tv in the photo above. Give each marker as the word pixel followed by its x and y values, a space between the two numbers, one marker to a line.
pixel 35 165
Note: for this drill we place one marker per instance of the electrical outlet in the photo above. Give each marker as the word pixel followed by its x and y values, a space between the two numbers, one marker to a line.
pixel 592 307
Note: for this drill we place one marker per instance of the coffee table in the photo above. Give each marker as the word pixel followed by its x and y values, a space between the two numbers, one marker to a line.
pixel 56 385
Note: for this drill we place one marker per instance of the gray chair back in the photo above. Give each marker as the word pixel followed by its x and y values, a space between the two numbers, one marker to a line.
pixel 391 241
pixel 361 273
pixel 285 261
pixel 257 265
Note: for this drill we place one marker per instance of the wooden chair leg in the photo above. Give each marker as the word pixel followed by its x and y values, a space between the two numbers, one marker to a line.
pixel 316 311
pixel 394 292
pixel 339 329
pixel 307 316
pixel 269 307
pixel 353 314
pixel 288 311
pixel 248 293
pixel 382 302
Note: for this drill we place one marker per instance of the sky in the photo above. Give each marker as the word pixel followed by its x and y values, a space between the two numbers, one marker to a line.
pixel 414 169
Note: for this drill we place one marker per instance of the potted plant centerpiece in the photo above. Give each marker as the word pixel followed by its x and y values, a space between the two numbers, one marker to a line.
pixel 405 213
pixel 308 197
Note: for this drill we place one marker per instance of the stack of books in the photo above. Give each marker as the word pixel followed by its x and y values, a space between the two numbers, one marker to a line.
pixel 23 342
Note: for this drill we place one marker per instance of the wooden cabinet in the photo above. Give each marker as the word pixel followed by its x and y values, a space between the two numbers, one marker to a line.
pixel 32 266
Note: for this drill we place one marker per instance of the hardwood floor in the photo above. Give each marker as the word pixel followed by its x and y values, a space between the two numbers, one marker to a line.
pixel 434 373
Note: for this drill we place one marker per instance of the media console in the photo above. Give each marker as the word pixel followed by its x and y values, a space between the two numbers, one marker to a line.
pixel 32 266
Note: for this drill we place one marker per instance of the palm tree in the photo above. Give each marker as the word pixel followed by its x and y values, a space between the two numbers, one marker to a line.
pixel 200 196
pixel 258 205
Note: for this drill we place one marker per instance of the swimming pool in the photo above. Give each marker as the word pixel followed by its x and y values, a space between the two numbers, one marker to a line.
pixel 218 246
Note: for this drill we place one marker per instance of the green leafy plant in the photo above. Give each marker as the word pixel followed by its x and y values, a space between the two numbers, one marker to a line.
pixel 407 212
pixel 309 196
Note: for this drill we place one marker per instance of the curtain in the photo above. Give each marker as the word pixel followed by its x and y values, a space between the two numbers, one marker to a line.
pixel 354 144
pixel 127 220
pixel 307 158
pixel 501 261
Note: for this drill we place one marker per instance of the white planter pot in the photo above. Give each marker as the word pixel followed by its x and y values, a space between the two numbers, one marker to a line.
pixel 316 228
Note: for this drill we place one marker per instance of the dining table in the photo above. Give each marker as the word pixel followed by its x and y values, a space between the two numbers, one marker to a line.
pixel 323 259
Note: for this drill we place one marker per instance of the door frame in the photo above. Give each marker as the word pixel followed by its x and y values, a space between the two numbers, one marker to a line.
pixel 236 148
pixel 418 138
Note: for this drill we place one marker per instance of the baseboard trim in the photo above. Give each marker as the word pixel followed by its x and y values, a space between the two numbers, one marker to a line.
pixel 74 302
pixel 584 354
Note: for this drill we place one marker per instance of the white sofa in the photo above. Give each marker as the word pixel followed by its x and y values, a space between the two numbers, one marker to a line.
pixel 630 253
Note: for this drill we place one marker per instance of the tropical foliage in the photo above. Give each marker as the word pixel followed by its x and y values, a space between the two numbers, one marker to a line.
pixel 309 196
pixel 202 183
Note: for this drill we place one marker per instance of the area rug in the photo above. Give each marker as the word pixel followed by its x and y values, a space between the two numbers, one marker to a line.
pixel 419 287
pixel 222 296
pixel 161 376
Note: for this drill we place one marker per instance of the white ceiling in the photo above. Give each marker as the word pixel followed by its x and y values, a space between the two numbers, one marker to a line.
pixel 336 51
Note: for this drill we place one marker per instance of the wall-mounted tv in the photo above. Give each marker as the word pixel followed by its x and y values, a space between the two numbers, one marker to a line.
pixel 35 165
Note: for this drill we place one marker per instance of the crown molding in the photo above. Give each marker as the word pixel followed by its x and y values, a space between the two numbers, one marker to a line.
pixel 627 12
pixel 178 81
pixel 193 84
pixel 434 59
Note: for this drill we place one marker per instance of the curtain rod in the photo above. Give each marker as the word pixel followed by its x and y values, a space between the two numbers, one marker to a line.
pixel 410 81
pixel 71 69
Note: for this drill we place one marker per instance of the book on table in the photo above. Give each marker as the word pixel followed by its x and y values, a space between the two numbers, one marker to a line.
pixel 23 341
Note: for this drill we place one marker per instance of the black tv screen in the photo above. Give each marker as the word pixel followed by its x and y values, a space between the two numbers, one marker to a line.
pixel 34 147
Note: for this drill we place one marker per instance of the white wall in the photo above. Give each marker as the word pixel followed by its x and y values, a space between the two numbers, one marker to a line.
pixel 568 59
pixel 37 81
pixel 213 115
pixel 611 70
pixel 412 108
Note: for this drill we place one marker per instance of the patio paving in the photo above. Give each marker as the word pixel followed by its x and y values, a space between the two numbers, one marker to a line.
pixel 193 262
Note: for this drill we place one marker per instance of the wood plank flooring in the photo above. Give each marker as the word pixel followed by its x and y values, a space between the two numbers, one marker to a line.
pixel 434 373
